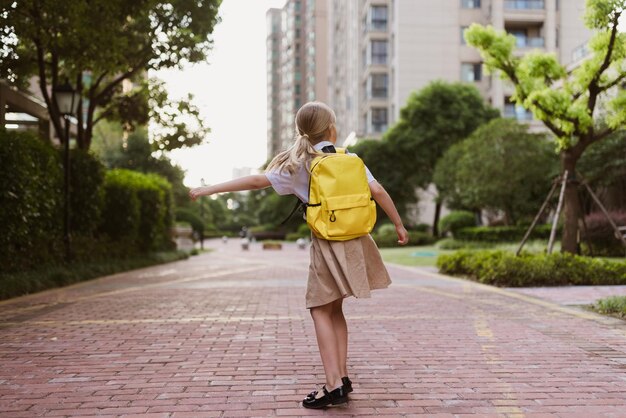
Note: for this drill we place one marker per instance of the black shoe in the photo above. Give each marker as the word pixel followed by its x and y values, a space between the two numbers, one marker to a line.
pixel 347 384
pixel 335 397
pixel 347 387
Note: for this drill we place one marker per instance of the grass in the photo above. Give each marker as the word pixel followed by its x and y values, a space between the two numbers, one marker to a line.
pixel 413 256
pixel 22 283
pixel 613 306
pixel 426 256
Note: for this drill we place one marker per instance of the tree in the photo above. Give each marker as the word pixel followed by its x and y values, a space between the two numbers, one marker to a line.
pixel 499 167
pixel 567 102
pixel 137 154
pixel 98 44
pixel 379 156
pixel 604 167
pixel 434 118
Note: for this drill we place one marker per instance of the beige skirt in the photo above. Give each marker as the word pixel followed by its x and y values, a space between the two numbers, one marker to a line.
pixel 340 269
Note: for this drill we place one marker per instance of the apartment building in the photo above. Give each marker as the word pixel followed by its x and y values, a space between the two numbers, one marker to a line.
pixel 273 42
pixel 406 44
pixel 297 65
pixel 381 51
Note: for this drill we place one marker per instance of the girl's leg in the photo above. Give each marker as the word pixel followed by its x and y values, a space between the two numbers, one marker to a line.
pixel 328 345
pixel 341 334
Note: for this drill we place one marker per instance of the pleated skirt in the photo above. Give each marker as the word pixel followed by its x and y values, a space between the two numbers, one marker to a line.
pixel 340 269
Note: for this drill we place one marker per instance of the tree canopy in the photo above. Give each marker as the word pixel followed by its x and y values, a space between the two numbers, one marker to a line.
pixel 500 167
pixel 434 118
pixel 567 102
pixel 97 45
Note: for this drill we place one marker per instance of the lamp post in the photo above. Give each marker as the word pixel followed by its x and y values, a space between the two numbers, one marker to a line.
pixel 67 101
pixel 202 217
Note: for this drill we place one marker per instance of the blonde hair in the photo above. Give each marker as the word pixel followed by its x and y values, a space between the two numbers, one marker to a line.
pixel 313 122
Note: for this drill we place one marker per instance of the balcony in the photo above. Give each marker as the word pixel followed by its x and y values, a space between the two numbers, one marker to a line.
pixel 524 5
pixel 524 11
pixel 530 42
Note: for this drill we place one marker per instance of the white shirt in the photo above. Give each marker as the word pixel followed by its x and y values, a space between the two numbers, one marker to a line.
pixel 298 183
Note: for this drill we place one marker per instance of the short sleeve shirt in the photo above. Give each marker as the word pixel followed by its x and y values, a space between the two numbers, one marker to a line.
pixel 298 183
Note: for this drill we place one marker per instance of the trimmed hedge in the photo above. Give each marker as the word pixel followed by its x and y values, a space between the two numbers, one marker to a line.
pixel 386 238
pixel 137 209
pixel 502 268
pixel 31 212
pixel 455 221
pixel 502 233
pixel 86 193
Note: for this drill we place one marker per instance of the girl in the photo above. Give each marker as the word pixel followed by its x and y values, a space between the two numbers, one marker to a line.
pixel 338 269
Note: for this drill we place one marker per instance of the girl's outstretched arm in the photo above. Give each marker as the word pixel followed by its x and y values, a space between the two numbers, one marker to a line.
pixel 381 197
pixel 254 182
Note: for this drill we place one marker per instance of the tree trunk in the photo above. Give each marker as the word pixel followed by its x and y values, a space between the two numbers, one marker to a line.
pixel 436 220
pixel 571 205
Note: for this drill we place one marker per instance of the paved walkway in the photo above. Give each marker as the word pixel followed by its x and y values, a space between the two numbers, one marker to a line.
pixel 226 334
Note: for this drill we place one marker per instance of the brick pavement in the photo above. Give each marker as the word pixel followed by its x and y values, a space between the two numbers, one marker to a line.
pixel 226 334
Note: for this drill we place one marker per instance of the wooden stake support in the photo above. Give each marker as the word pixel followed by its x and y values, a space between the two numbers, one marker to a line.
pixel 558 213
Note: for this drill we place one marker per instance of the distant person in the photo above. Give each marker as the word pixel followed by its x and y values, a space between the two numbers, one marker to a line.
pixel 338 268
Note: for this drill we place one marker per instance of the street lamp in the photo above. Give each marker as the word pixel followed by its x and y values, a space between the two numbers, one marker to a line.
pixel 202 217
pixel 67 102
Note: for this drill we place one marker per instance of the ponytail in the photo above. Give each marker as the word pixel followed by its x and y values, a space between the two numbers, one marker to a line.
pixel 312 123
pixel 301 151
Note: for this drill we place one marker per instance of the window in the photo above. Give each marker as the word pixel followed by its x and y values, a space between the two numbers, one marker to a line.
pixel 470 4
pixel 514 111
pixel 463 29
pixel 378 18
pixel 379 52
pixel 471 72
pixel 521 36
pixel 379 85
pixel 379 119
pixel 297 89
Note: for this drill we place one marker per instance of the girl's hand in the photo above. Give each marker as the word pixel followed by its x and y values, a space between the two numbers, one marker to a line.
pixel 197 192
pixel 403 235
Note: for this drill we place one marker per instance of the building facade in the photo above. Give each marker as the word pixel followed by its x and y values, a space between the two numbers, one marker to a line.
pixel 399 46
pixel 378 52
pixel 297 69
pixel 274 41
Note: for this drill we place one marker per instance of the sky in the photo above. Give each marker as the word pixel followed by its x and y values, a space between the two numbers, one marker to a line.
pixel 230 91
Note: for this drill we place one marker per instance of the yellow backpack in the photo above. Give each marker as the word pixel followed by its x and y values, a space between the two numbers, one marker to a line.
pixel 340 205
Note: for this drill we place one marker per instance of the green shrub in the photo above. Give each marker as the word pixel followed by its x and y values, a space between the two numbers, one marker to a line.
pixel 501 268
pixel 302 232
pixel 31 211
pixel 186 215
pixel 455 244
pixel 600 233
pixel 501 233
pixel 137 209
pixel 613 305
pixel 55 275
pixel 455 221
pixel 419 228
pixel 121 210
pixel 389 238
pixel 86 192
